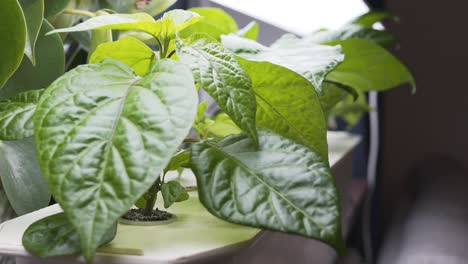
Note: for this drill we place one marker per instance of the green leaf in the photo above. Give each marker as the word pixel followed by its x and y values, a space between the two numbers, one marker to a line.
pixel 104 135
pixel 215 22
pixel 128 50
pixel 352 31
pixel 201 111
pixel 53 7
pixel 369 67
pixel 34 13
pixel 17 115
pixel 288 105
pixel 333 93
pixel 13 32
pixel 250 31
pixel 55 236
pixel 350 110
pixel 50 64
pixel 223 126
pixel 180 160
pixel 280 186
pixel 312 61
pixel 370 18
pixel 21 177
pixel 173 192
pixel 172 22
pixel 221 76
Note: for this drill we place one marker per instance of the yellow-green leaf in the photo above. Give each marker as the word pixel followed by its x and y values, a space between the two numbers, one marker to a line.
pixel 136 54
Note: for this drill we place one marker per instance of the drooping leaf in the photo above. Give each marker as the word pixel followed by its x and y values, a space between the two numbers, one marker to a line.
pixel 21 177
pixel 310 60
pixel 288 105
pixel 350 110
pixel 33 13
pixel 50 64
pixel 172 22
pixel 53 7
pixel 221 76
pixel 215 22
pixel 55 236
pixel 17 115
pixel 369 67
pixel 370 18
pixel 173 192
pixel 223 126
pixel 104 136
pixel 333 93
pixel 280 186
pixel 350 31
pixel 250 31
pixel 180 160
pixel 128 50
pixel 13 32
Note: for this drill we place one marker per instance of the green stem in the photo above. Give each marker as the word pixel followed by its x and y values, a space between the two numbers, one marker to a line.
pixel 153 195
pixel 171 53
pixel 79 12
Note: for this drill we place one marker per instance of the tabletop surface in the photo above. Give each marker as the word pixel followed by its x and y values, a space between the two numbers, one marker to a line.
pixel 194 232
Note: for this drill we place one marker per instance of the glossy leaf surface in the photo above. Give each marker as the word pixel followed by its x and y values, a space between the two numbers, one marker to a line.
pixel 280 186
pixel 173 192
pixel 223 78
pixel 288 105
pixel 22 180
pixel 134 53
pixel 180 160
pixel 369 67
pixel 310 60
pixel 33 13
pixel 215 22
pixel 17 115
pixel 13 32
pixel 104 136
pixel 55 236
pixel 50 64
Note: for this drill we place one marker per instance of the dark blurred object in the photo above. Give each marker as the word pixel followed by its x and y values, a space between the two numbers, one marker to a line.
pixel 432 227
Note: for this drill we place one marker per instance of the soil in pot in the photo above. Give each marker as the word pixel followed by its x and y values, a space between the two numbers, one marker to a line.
pixel 139 216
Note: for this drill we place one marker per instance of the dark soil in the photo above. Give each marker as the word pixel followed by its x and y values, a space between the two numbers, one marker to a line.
pixel 138 215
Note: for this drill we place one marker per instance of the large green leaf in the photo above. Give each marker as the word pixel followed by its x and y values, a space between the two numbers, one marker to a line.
pixel 34 13
pixel 22 180
pixel 215 22
pixel 104 136
pixel 280 185
pixel 13 32
pixel 221 76
pixel 168 25
pixel 17 115
pixel 128 50
pixel 53 7
pixel 369 67
pixel 288 105
pixel 310 60
pixel 55 236
pixel 352 31
pixel 50 64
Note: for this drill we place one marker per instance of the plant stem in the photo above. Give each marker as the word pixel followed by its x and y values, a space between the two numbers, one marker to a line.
pixel 153 195
pixel 171 53
pixel 79 12
pixel 191 140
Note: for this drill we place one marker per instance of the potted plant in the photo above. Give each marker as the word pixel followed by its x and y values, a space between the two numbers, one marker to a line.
pixel 107 132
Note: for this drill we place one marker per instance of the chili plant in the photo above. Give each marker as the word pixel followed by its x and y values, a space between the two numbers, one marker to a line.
pixel 108 131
